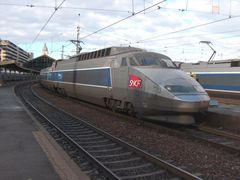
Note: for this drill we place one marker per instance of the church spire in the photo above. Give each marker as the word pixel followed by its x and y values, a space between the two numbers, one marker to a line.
pixel 45 50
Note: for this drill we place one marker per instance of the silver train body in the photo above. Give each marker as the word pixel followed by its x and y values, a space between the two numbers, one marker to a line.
pixel 133 80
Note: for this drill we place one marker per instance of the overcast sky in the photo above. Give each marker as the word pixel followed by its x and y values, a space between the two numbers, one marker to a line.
pixel 173 27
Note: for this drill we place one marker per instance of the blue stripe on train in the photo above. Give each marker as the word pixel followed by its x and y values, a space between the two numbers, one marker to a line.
pixel 221 87
pixel 97 77
pixel 57 76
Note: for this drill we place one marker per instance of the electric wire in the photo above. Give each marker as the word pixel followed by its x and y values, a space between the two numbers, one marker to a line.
pixel 95 32
pixel 110 10
pixel 182 30
pixel 55 10
pixel 65 7
pixel 140 41
pixel 195 36
pixel 110 25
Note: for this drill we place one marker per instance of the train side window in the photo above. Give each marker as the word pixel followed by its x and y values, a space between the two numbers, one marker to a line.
pixel 132 62
pixel 108 52
pixel 124 61
pixel 235 64
pixel 56 64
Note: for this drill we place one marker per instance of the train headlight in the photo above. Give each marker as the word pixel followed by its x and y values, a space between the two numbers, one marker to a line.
pixel 168 88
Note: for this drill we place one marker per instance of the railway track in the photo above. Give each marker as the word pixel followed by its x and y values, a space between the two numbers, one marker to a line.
pixel 103 155
pixel 218 138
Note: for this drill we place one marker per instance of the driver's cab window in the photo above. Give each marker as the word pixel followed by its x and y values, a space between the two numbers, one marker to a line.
pixel 124 61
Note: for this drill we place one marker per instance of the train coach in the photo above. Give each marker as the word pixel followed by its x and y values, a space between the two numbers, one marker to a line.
pixel 220 78
pixel 141 83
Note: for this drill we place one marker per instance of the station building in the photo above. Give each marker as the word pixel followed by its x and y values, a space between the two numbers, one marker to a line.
pixel 11 52
pixel 40 62
pixel 15 60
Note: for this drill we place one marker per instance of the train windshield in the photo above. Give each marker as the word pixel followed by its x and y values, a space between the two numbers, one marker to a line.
pixel 153 59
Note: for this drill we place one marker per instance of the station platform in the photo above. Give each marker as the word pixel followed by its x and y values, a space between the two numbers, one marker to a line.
pixel 225 116
pixel 22 155
pixel 233 110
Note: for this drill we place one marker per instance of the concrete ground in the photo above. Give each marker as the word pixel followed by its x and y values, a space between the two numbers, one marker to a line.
pixel 21 157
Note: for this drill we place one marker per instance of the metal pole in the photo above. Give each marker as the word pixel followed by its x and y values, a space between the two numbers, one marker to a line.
pixel 133 7
pixel 62 51
pixel 230 9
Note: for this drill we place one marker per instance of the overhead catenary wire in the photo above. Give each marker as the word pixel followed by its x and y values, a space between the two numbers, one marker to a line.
pixel 110 25
pixel 184 10
pixel 123 19
pixel 129 40
pixel 55 10
pixel 109 10
pixel 182 30
pixel 195 35
pixel 65 7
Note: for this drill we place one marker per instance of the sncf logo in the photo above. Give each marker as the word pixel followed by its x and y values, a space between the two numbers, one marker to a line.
pixel 134 82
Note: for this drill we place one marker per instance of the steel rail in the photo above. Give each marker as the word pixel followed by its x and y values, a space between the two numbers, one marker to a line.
pixel 219 132
pixel 229 142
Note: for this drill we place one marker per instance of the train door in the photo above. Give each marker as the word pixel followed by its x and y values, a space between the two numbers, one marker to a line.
pixel 121 80
pixel 74 80
pixel 135 87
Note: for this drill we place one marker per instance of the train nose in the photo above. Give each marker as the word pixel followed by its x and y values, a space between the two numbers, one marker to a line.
pixel 192 103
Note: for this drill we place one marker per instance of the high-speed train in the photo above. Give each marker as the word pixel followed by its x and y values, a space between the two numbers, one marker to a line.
pixel 133 80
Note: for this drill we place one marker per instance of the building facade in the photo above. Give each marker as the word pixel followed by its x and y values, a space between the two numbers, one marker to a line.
pixel 9 51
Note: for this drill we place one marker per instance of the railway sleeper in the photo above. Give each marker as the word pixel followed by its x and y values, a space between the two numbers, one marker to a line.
pixel 79 133
pixel 84 131
pixel 133 167
pixel 124 155
pixel 111 152
pixel 88 138
pixel 141 171
pixel 113 159
pixel 74 125
pixel 98 146
pixel 72 129
pixel 158 174
pixel 90 135
pixel 89 148
pixel 106 150
pixel 102 141
pixel 124 162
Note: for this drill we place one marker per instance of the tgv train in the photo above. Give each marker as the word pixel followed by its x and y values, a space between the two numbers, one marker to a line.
pixel 132 80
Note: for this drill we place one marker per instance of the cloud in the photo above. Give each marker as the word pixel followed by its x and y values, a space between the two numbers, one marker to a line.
pixel 22 23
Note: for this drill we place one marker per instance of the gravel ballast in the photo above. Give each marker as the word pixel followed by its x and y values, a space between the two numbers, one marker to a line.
pixel 188 153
